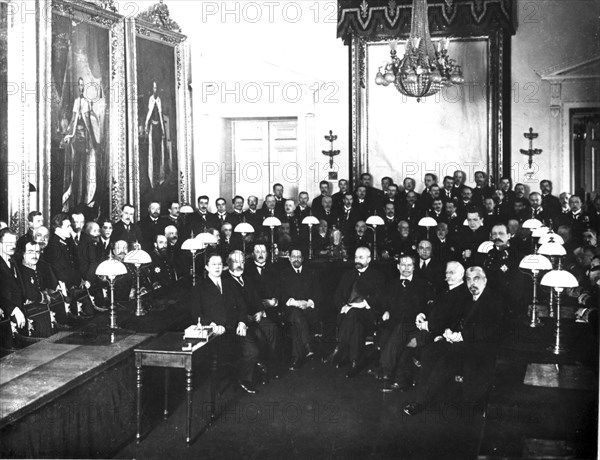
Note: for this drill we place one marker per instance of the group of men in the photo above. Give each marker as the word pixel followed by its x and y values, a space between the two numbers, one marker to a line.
pixel 442 313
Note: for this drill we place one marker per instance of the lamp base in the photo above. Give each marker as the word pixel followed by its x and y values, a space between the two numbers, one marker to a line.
pixel 141 312
pixel 557 349
pixel 533 319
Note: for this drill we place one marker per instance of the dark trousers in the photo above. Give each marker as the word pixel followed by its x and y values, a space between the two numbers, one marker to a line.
pixel 241 351
pixel 301 321
pixel 399 345
pixel 352 330
pixel 267 335
pixel 441 361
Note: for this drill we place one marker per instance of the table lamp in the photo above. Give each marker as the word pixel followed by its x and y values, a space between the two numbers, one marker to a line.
pixel 558 280
pixel 535 263
pixel 427 222
pixel 532 224
pixel 111 268
pixel 310 221
pixel 536 234
pixel 375 221
pixel 244 228
pixel 553 251
pixel 551 237
pixel 193 245
pixel 138 257
pixel 485 247
pixel 272 222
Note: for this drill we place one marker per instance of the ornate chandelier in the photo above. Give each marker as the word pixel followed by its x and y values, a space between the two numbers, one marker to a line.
pixel 424 69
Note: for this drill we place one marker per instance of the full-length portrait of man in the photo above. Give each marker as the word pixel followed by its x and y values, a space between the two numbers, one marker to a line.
pixel 82 144
pixel 155 129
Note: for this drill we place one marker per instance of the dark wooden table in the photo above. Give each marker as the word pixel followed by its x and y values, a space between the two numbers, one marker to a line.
pixel 166 351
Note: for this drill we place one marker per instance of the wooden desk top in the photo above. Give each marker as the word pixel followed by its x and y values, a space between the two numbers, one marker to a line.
pixel 40 373
pixel 171 343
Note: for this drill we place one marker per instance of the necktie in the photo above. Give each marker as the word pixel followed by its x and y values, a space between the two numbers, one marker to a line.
pixel 260 269
pixel 297 271
pixel 240 280
pixel 423 264
pixel 347 214
pixel 219 286
pixel 76 239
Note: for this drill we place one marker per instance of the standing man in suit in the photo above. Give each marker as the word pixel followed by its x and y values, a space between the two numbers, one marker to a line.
pixel 356 297
pixel 236 216
pixel 347 216
pixel 300 302
pixel 482 190
pixel 549 201
pixel 106 229
pixel 469 238
pixel 279 199
pixel 217 302
pixel 469 349
pixel 125 229
pixel 34 220
pixel 252 216
pixel 173 217
pixel 317 202
pixel 151 225
pixel 429 268
pixel 221 213
pixel 338 197
pixel 269 209
pixel 203 220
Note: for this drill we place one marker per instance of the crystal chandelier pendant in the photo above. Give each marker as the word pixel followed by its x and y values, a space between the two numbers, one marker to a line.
pixel 424 69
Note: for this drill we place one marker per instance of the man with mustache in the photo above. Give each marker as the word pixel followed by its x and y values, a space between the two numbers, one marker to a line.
pixel 468 349
pixel 357 297
pixel 162 274
pixel 90 255
pixel 264 330
pixel 501 264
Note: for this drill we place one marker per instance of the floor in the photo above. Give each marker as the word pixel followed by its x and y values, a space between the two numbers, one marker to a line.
pixel 533 411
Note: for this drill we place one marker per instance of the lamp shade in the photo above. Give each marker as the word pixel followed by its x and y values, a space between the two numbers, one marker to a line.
pixel 559 279
pixel 111 268
pixel 538 232
pixel 271 222
pixel 551 238
pixel 186 209
pixel 138 257
pixel 532 224
pixel 375 221
pixel 243 227
pixel 485 247
pixel 535 262
pixel 192 244
pixel 310 220
pixel 552 249
pixel 427 222
pixel 206 238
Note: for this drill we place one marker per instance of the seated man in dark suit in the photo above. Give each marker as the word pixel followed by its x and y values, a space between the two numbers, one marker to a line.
pixel 264 329
pixel 402 300
pixel 360 238
pixel 11 298
pixel 217 302
pixel 265 277
pixel 162 274
pixel 444 312
pixel 299 299
pixel 468 350
pixel 357 298
pixel 91 254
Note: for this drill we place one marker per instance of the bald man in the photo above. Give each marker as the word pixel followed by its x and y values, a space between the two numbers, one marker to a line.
pixel 468 348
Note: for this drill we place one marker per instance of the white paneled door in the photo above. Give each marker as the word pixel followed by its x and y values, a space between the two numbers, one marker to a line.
pixel 265 152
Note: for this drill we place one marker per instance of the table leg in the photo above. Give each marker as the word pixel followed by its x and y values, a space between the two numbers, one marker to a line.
pixel 166 412
pixel 139 403
pixel 214 383
pixel 189 404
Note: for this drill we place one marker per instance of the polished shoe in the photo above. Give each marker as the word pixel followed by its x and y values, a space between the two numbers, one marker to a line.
pixel 354 370
pixel 309 352
pixel 334 357
pixel 101 308
pixel 247 387
pixel 413 408
pixel 296 364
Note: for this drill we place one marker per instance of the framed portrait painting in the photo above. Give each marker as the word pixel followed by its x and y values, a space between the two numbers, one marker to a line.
pixel 159 140
pixel 87 111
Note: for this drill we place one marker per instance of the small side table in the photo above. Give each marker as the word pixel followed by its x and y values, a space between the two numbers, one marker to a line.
pixel 166 352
